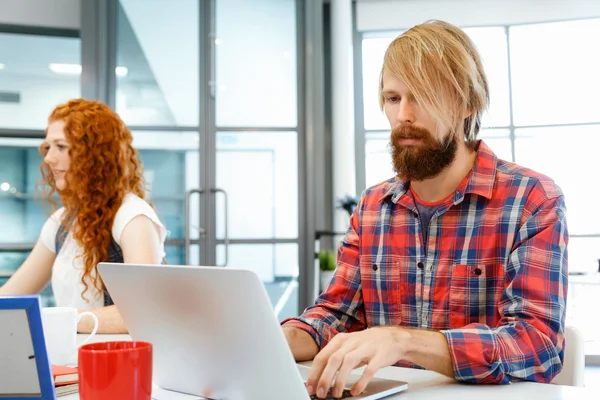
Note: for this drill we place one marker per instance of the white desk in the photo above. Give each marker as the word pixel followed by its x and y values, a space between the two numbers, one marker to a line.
pixel 431 385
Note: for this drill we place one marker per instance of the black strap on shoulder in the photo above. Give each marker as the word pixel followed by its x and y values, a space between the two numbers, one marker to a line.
pixel 59 239
pixel 115 255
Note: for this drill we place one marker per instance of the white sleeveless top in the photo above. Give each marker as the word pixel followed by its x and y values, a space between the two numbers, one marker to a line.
pixel 67 269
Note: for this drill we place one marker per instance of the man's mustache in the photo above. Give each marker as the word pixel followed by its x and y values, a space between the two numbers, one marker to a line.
pixel 410 132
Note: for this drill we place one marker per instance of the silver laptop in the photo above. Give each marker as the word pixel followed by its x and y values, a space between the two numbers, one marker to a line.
pixel 213 331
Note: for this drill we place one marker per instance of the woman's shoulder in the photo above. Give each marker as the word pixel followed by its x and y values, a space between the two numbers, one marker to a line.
pixel 57 215
pixel 56 218
pixel 132 206
pixel 50 229
pixel 132 200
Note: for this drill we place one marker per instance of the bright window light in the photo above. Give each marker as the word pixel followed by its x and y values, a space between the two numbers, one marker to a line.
pixel 121 71
pixel 75 69
pixel 4 186
pixel 65 69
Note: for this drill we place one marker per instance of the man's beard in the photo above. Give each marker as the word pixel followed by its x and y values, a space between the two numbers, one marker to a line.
pixel 425 160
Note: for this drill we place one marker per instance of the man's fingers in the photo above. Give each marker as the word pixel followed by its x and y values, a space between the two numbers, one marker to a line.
pixel 329 373
pixel 372 367
pixel 352 360
pixel 320 362
pixel 344 353
pixel 333 366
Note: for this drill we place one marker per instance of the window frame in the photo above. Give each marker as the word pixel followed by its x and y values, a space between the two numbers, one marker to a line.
pixel 362 134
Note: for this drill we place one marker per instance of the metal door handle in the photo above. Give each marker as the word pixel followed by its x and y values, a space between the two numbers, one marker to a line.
pixel 187 237
pixel 226 238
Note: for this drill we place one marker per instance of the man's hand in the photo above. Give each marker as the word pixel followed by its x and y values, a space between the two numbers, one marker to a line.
pixel 376 347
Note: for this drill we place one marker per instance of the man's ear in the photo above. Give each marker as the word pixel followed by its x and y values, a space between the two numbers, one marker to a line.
pixel 467 113
pixel 469 121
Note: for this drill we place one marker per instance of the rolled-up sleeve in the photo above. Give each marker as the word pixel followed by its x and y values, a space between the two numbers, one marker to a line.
pixel 528 342
pixel 340 307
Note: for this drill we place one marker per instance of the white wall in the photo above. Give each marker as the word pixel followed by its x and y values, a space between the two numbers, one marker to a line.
pixel 374 15
pixel 47 13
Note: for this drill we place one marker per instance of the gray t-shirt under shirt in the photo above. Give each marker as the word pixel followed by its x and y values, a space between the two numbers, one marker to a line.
pixel 425 214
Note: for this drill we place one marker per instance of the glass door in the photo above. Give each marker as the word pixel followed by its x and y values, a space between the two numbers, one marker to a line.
pixel 171 169
pixel 212 99
pixel 256 143
pixel 158 95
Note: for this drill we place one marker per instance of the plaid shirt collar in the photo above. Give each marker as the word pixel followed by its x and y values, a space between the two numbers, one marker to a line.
pixel 480 179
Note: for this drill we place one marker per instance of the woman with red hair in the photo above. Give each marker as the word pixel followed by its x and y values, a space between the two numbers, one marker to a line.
pixel 90 162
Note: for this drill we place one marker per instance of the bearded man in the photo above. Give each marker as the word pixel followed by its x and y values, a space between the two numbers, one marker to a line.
pixel 458 264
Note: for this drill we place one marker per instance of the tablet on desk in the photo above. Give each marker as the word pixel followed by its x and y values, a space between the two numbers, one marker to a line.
pixel 24 366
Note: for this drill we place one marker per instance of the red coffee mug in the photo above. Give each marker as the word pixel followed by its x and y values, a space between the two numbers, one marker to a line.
pixel 115 370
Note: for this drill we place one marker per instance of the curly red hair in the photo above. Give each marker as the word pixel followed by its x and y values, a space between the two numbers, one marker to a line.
pixel 104 168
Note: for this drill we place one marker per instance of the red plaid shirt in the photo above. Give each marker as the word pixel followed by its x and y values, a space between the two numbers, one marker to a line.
pixel 492 276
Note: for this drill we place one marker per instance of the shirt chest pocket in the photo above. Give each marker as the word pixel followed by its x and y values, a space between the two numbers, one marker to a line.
pixel 475 292
pixel 380 286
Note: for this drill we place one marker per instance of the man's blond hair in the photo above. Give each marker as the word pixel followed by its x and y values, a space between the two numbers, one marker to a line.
pixel 441 67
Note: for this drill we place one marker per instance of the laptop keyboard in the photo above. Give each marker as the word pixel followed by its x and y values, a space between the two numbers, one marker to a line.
pixel 345 394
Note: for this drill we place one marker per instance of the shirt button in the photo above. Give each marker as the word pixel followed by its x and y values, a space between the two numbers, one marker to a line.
pixel 374 267
pixel 477 271
pixel 416 215
pixel 420 264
